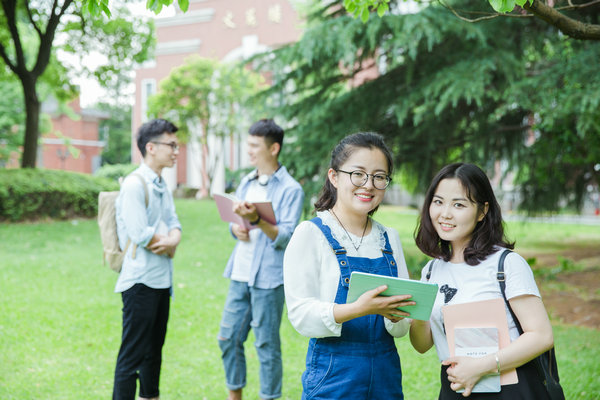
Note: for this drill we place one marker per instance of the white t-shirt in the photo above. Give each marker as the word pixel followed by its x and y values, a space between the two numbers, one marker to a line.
pixel 311 274
pixel 463 283
pixel 244 253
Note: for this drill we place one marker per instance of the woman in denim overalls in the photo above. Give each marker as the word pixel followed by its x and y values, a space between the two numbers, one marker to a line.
pixel 351 354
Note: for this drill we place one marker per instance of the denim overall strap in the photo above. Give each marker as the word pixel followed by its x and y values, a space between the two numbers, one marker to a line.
pixel 340 253
pixel 389 256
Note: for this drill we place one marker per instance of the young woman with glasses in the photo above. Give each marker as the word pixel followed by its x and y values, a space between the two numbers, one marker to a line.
pixel 351 354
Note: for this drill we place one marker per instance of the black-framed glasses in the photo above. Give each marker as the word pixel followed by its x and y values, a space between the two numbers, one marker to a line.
pixel 359 178
pixel 174 146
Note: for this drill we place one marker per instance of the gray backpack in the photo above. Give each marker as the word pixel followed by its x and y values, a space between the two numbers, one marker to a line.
pixel 107 222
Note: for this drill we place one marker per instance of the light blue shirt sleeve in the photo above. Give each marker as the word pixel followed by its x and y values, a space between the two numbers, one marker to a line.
pixel 170 216
pixel 290 210
pixel 133 213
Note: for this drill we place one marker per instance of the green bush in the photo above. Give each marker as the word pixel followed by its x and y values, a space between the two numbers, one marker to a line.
pixel 233 178
pixel 34 193
pixel 115 171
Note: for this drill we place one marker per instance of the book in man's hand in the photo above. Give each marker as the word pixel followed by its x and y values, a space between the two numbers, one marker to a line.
pixel 225 202
pixel 478 342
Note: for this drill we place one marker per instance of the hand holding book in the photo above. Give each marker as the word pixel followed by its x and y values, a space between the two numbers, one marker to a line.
pixel 231 210
pixel 471 345
pixel 248 211
pixel 422 294
pixel 478 315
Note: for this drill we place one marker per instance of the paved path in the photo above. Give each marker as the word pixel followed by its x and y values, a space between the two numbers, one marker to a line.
pixel 554 219
pixel 558 219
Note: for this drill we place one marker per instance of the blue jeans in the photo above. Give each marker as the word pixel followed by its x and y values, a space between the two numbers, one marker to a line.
pixel 259 309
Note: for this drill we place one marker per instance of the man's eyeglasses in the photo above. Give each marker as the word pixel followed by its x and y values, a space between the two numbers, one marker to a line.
pixel 359 178
pixel 174 146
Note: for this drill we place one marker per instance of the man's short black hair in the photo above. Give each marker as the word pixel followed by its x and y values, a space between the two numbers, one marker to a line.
pixel 268 129
pixel 151 130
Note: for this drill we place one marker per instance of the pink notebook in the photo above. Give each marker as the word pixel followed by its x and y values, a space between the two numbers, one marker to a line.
pixel 480 314
pixel 225 204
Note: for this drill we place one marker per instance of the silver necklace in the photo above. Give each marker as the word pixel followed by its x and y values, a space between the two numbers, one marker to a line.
pixel 347 234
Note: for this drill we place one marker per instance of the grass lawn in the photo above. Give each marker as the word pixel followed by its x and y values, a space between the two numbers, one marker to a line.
pixel 60 321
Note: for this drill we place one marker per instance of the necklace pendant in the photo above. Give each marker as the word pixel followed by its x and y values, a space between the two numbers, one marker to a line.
pixel 348 235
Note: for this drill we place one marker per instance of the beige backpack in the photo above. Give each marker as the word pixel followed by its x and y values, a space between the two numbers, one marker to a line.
pixel 107 222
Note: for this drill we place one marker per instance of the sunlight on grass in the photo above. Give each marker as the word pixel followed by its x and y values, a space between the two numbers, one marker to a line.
pixel 60 320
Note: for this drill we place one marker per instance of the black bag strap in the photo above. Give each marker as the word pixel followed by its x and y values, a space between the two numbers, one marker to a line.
pixel 545 363
pixel 501 276
pixel 430 269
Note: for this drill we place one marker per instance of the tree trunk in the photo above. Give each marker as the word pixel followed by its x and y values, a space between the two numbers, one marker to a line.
pixel 204 191
pixel 32 125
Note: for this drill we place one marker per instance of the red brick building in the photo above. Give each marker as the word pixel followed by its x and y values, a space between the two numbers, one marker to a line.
pixel 73 143
pixel 228 30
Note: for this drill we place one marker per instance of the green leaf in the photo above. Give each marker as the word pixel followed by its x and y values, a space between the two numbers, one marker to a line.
pixel 105 9
pixel 502 6
pixel 184 5
pixel 383 7
pixel 522 2
pixel 91 7
pixel 364 16
pixel 151 4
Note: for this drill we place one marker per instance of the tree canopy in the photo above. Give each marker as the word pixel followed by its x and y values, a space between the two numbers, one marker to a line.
pixel 505 92
pixel 205 97
pixel 30 32
pixel 577 20
pixel 12 114
pixel 116 132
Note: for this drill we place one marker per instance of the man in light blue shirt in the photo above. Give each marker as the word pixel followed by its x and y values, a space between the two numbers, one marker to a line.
pixel 145 280
pixel 255 268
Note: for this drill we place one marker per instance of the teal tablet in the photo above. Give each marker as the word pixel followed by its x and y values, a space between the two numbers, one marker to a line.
pixel 423 293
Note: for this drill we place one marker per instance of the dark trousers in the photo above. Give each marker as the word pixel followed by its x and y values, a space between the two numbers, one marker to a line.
pixel 529 387
pixel 145 316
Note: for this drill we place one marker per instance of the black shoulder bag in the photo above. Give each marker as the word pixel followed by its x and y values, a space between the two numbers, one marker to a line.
pixel 545 363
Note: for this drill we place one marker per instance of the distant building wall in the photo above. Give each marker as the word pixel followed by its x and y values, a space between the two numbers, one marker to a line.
pixel 73 143
pixel 229 30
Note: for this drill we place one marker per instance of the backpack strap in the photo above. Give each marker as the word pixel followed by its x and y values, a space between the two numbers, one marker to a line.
pixel 141 178
pixel 146 200
pixel 430 269
pixel 501 276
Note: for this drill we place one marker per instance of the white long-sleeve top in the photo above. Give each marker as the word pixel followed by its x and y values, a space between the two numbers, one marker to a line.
pixel 311 274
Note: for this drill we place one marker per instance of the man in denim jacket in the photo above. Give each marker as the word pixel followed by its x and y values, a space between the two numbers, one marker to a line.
pixel 145 281
pixel 255 268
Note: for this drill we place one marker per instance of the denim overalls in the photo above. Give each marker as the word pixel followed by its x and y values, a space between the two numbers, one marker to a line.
pixel 363 363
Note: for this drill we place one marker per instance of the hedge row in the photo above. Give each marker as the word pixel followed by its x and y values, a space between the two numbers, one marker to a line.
pixel 34 193
pixel 115 171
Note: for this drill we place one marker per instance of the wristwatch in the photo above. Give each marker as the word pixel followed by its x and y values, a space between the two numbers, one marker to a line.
pixel 255 222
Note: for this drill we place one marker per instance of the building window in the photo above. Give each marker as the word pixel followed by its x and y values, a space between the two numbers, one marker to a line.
pixel 148 89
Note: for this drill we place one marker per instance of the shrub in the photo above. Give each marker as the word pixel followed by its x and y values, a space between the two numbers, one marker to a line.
pixel 115 171
pixel 34 193
pixel 233 178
